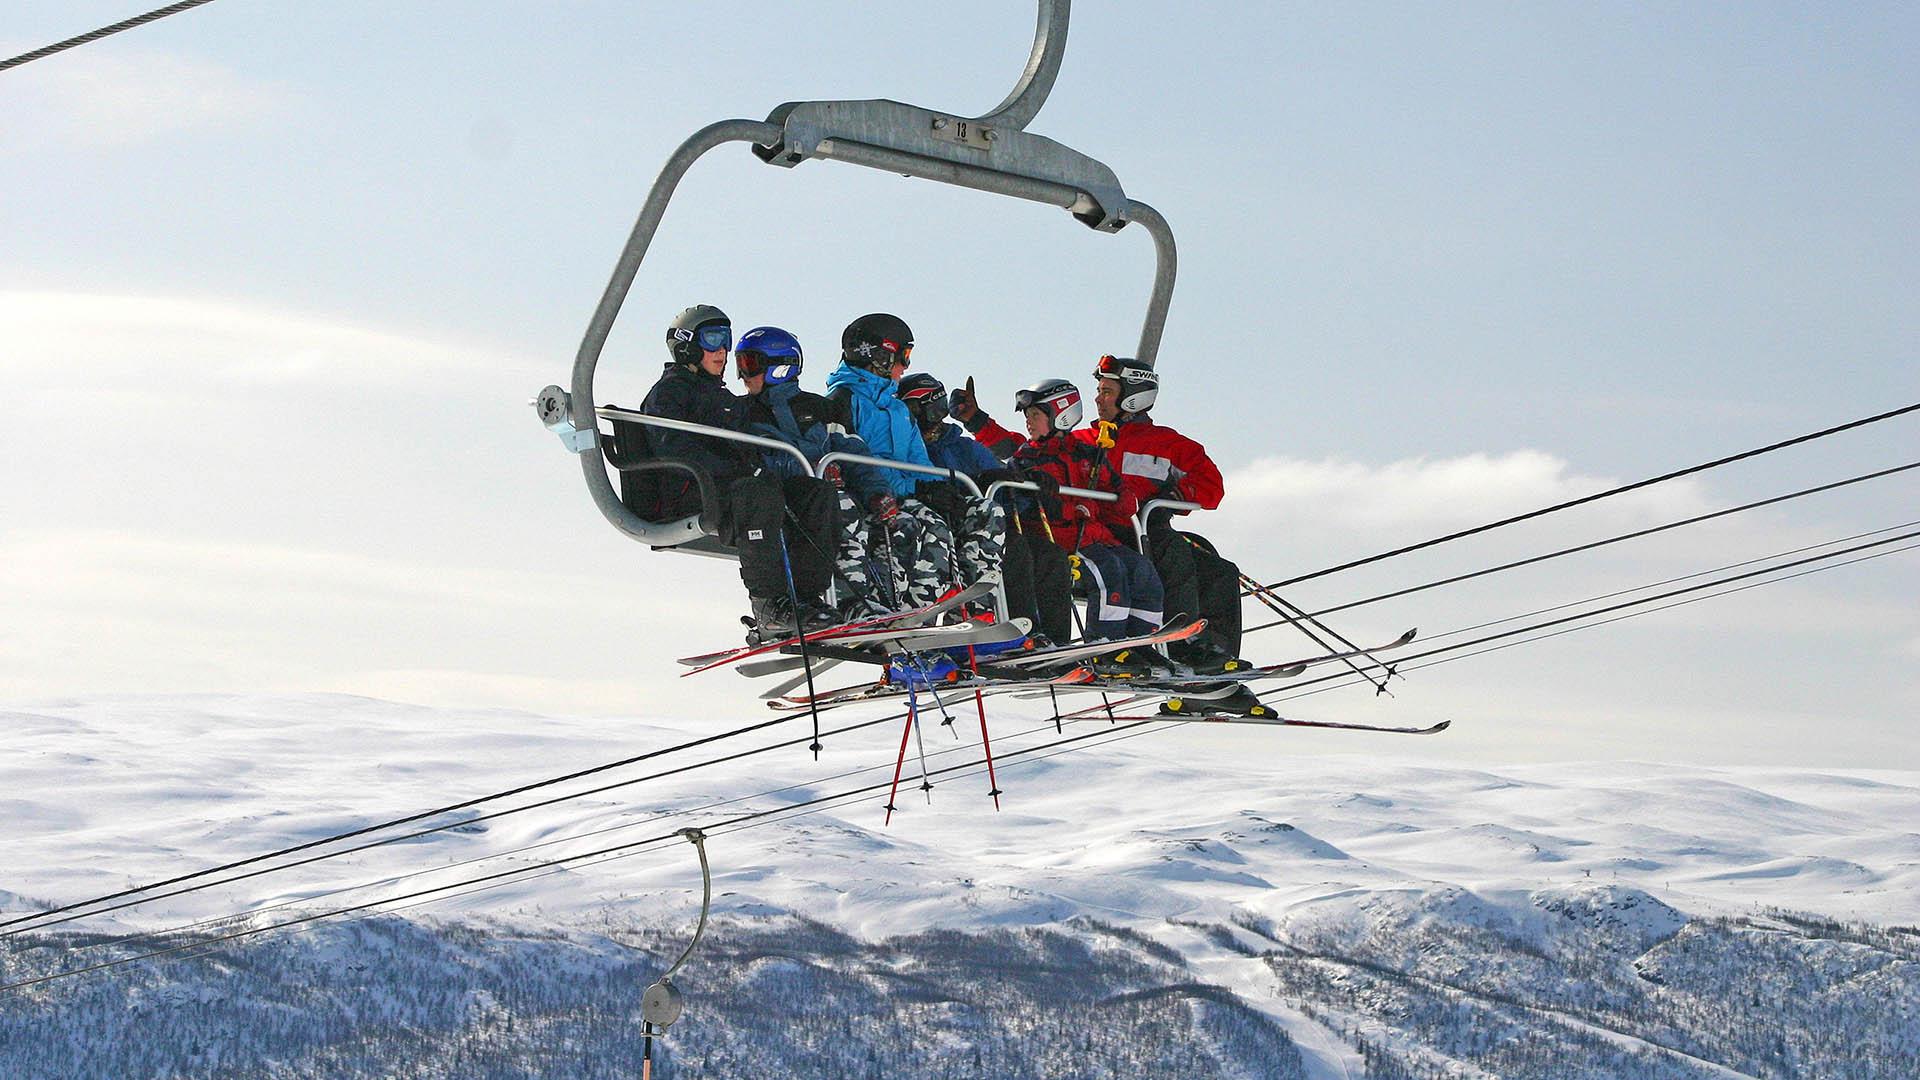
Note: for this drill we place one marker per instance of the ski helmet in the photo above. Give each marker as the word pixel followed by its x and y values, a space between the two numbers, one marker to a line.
pixel 1058 397
pixel 876 342
pixel 926 398
pixel 769 351
pixel 697 330
pixel 1139 383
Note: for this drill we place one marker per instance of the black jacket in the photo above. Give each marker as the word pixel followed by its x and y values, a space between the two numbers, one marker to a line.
pixel 685 393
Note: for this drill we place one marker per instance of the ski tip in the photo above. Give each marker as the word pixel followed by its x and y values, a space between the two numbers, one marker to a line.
pixel 1439 727
pixel 1408 636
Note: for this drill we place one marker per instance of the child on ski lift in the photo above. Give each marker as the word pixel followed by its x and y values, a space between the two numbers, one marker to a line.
pixel 769 361
pixel 1038 585
pixel 1123 590
pixel 780 525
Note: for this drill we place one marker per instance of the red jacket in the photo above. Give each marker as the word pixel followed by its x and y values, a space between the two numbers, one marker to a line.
pixel 1160 463
pixel 1073 464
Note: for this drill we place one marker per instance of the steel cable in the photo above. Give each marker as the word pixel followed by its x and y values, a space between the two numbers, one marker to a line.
pixel 1595 544
pixel 1597 496
pixel 96 35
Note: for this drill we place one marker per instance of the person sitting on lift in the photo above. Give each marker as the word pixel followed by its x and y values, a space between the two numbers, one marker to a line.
pixel 779 525
pixel 1039 587
pixel 769 362
pixel 1157 462
pixel 1124 597
pixel 875 350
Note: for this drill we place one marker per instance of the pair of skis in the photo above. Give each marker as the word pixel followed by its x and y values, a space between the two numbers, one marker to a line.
pixel 878 630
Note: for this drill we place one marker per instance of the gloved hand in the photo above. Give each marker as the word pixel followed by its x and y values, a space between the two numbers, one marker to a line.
pixel 1048 484
pixel 994 476
pixel 834 477
pixel 883 507
pixel 964 405
pixel 1080 511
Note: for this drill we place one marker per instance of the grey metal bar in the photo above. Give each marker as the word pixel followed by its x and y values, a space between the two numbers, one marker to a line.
pixel 1166 264
pixel 1140 520
pixel 1043 66
pixel 956 173
pixel 908 466
pixel 707 138
pixel 611 413
pixel 1024 485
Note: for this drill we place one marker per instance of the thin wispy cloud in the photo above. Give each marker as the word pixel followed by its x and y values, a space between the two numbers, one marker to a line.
pixel 125 97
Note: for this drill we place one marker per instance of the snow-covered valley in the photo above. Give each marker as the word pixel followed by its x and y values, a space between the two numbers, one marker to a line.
pixel 1145 902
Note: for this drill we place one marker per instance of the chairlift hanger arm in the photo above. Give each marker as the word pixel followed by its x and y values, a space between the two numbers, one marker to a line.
pixel 991 153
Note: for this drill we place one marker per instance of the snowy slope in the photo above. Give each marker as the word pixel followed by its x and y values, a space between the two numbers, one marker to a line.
pixel 1223 855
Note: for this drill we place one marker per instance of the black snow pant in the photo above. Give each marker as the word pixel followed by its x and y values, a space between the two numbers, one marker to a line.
pixel 1039 585
pixel 759 511
pixel 1197 582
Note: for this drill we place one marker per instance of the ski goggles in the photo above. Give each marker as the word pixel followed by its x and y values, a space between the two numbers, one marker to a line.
pixel 929 405
pixel 751 362
pixel 902 354
pixel 713 337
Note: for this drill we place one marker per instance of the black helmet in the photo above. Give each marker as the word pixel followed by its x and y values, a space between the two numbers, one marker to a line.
pixel 696 330
pixel 1058 397
pixel 876 342
pixel 1139 383
pixel 926 398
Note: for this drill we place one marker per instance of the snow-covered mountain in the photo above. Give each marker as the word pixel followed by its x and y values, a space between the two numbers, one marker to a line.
pixel 1147 902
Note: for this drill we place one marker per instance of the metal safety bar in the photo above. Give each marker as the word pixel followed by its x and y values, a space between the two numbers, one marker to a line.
pixel 1140 521
pixel 834 457
pixel 1027 485
pixel 609 412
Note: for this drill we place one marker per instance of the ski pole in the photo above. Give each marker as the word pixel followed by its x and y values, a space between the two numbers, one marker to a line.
pixel 800 630
pixel 1298 616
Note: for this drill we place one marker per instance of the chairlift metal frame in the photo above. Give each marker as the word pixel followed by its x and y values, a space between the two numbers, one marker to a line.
pixel 992 153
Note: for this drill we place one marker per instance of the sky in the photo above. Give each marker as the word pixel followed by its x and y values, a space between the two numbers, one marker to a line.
pixel 279 282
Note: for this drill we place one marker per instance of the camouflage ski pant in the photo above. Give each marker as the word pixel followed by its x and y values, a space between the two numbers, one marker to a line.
pixel 914 557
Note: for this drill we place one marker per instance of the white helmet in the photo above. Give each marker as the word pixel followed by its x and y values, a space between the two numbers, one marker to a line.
pixel 1139 383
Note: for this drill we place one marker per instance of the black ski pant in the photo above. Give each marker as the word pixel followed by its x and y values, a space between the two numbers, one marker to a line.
pixel 1197 582
pixel 758 511
pixel 1039 585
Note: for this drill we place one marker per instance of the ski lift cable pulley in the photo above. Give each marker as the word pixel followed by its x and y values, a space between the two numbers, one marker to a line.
pixel 661 1003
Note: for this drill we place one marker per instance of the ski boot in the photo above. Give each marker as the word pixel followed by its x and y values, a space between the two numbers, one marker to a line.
pixel 1206 658
pixel 818 616
pixel 1241 702
pixel 1134 663
pixel 771 619
pixel 921 669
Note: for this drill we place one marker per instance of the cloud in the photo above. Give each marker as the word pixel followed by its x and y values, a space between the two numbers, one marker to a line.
pixel 163 343
pixel 114 98
pixel 1443 493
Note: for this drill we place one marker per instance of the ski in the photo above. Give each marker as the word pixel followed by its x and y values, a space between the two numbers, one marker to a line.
pixel 883 690
pixel 1068 653
pixel 1210 685
pixel 1281 721
pixel 952 600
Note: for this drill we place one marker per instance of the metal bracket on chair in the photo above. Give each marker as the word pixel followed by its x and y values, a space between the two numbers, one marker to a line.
pixel 555 407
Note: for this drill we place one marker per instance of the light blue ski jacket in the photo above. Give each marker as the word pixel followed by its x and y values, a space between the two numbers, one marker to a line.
pixel 883 421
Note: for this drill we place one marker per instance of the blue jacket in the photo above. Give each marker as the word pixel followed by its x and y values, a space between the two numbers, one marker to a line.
pixel 883 421
pixel 952 449
pixel 800 419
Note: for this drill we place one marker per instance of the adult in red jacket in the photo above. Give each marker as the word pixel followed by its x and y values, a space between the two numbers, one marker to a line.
pixel 1157 462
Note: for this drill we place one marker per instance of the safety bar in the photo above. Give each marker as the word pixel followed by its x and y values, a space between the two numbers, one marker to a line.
pixel 1027 485
pixel 1140 522
pixel 835 456
pixel 608 412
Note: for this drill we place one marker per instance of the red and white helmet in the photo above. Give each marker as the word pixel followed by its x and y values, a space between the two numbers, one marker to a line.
pixel 1139 383
pixel 1060 399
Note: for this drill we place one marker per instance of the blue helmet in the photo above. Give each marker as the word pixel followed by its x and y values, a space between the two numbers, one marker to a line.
pixel 769 351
